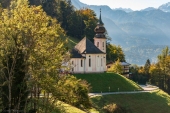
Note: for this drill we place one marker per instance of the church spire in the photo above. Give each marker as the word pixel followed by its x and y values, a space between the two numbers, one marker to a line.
pixel 100 19
pixel 100 29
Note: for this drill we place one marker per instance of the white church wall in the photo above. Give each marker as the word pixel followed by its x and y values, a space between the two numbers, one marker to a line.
pixel 76 66
pixel 97 64
pixel 100 43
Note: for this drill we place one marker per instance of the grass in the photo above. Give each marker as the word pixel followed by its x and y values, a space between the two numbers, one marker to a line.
pixel 105 82
pixel 70 109
pixel 72 42
pixel 155 102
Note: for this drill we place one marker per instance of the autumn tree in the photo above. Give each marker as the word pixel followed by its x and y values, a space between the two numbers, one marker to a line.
pixel 74 92
pixel 114 53
pixel 116 67
pixel 82 22
pixel 160 72
pixel 31 47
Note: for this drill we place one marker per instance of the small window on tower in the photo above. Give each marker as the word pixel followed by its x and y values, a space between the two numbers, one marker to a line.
pixel 103 44
pixel 97 44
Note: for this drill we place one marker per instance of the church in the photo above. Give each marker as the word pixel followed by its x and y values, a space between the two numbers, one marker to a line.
pixel 87 57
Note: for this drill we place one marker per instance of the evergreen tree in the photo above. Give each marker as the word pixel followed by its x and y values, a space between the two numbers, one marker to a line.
pixel 146 69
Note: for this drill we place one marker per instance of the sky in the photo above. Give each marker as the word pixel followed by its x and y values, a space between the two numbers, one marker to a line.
pixel 133 4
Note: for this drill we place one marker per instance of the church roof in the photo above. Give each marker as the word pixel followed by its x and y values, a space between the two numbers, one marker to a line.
pixel 75 54
pixel 85 46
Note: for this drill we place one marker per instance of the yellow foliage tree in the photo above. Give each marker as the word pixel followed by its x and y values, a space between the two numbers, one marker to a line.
pixel 116 67
pixel 27 29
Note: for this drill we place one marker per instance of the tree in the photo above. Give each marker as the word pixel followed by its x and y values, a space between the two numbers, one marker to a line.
pixel 64 12
pixel 116 67
pixel 146 69
pixel 90 21
pixel 5 3
pixel 82 22
pixel 31 47
pixel 160 72
pixel 74 92
pixel 114 53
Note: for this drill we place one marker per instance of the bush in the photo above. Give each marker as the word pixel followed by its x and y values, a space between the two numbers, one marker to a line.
pixel 114 108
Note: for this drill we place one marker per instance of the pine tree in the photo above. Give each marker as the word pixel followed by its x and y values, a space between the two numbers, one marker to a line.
pixel 146 69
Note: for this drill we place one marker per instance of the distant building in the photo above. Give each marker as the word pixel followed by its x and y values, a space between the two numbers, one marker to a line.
pixel 125 67
pixel 87 57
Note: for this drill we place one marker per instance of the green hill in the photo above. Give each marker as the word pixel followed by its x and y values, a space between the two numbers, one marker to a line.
pixel 155 102
pixel 105 82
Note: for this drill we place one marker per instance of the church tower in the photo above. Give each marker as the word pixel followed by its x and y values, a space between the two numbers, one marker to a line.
pixel 99 38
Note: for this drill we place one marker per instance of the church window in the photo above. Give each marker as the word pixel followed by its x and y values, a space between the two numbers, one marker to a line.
pixel 97 44
pixel 81 63
pixel 72 62
pixel 89 62
pixel 101 62
pixel 103 45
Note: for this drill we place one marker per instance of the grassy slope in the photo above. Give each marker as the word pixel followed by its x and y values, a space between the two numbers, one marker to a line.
pixel 156 102
pixel 72 42
pixel 101 82
pixel 71 109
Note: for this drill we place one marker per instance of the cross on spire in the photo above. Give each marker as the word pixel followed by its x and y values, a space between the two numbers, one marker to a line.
pixel 100 18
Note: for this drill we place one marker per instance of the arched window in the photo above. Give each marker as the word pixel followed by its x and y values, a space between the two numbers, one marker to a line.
pixel 81 62
pixel 89 61
pixel 97 44
pixel 103 45
pixel 101 62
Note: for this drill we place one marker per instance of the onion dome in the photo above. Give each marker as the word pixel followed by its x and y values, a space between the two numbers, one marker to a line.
pixel 100 29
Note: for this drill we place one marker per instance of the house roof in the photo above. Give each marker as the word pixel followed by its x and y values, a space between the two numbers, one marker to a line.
pixel 122 63
pixel 125 64
pixel 75 54
pixel 85 46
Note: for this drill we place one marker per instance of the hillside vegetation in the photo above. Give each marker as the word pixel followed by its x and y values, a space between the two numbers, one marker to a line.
pixel 105 82
pixel 155 102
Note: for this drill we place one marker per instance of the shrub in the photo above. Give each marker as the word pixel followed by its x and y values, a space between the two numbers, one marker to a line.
pixel 114 108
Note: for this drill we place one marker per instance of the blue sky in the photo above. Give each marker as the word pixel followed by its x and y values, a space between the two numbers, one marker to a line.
pixel 133 4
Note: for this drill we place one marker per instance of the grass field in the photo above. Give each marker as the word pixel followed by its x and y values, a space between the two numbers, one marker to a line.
pixel 105 82
pixel 72 42
pixel 155 102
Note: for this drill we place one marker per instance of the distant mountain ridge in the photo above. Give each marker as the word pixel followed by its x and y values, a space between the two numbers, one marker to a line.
pixel 148 27
pixel 165 7
pixel 127 10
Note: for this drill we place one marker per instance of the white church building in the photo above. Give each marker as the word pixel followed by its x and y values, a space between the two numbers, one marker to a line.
pixel 87 57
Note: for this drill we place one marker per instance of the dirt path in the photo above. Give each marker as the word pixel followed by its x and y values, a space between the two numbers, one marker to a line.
pixel 146 88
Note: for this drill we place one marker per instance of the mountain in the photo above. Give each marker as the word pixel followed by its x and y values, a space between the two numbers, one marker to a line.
pixel 165 7
pixel 77 4
pixel 148 9
pixel 135 29
pixel 127 10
